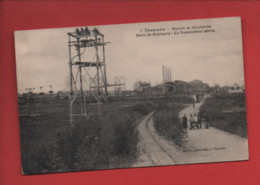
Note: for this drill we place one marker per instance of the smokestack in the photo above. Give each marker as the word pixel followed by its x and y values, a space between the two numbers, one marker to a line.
pixel 166 78
pixel 170 74
pixel 167 74
pixel 163 73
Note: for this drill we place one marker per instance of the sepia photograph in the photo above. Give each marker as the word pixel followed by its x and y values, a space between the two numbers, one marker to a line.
pixel 131 95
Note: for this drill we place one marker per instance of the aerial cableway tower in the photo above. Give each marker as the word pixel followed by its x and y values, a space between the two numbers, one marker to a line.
pixel 87 68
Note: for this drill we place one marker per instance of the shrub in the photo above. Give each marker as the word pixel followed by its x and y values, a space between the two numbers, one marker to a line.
pixel 167 122
pixel 227 112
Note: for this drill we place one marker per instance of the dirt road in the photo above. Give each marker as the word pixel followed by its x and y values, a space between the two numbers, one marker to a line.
pixel 204 145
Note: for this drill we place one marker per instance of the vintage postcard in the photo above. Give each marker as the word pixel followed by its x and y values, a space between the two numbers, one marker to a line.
pixel 131 95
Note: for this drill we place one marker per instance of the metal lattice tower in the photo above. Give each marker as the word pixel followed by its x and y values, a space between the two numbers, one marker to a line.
pixel 87 66
pixel 119 84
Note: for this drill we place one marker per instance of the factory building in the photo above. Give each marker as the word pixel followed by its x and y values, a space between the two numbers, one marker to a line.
pixel 141 87
pixel 176 87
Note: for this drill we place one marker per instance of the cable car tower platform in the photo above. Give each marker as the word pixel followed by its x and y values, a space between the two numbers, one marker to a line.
pixel 87 66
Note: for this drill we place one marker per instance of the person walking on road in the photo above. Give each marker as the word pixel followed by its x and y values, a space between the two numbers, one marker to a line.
pixel 207 122
pixel 184 122
pixel 199 120
pixel 191 122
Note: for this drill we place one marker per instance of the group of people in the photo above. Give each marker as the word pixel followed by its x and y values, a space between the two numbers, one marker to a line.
pixel 195 123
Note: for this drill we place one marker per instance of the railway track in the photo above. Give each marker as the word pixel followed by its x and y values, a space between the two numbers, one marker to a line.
pixel 153 136
pixel 154 150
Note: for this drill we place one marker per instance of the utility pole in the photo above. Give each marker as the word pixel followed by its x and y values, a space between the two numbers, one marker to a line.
pixel 30 98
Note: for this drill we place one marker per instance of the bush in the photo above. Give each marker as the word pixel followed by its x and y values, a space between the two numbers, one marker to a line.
pixel 167 122
pixel 227 112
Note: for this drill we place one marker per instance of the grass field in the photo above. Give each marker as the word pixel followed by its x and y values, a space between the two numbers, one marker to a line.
pixel 227 112
pixel 50 144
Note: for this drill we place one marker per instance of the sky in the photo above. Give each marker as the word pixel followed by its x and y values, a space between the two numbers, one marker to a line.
pixel 213 57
